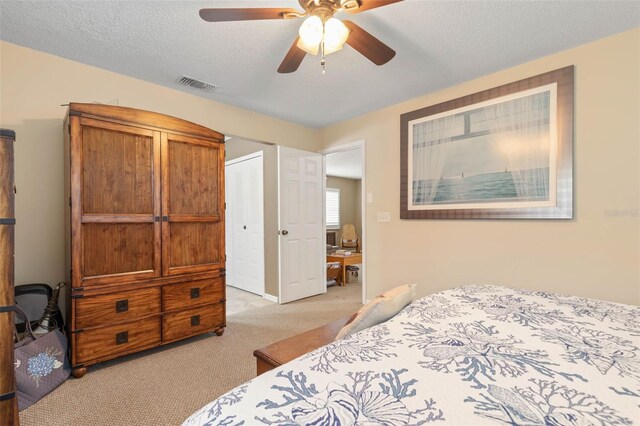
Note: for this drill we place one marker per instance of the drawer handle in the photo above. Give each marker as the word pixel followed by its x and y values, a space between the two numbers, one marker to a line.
pixel 122 338
pixel 195 320
pixel 195 293
pixel 122 305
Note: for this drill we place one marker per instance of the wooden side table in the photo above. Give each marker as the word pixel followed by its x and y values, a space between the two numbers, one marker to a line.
pixel 353 259
pixel 276 354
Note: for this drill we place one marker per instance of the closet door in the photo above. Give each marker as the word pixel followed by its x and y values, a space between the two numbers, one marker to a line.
pixel 192 205
pixel 115 202
pixel 244 222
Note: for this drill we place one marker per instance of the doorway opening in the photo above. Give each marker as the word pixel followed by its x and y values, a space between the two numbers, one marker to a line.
pixel 344 219
pixel 248 169
pixel 281 200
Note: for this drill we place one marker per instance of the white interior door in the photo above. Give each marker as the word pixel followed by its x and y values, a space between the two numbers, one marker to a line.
pixel 300 220
pixel 244 225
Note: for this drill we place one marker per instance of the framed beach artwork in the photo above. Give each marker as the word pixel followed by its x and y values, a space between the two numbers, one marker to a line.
pixel 503 153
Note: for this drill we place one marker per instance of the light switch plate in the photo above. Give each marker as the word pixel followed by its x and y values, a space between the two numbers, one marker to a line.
pixel 384 217
pixel 369 197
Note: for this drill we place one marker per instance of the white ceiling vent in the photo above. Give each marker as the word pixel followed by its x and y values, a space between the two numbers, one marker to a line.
pixel 196 84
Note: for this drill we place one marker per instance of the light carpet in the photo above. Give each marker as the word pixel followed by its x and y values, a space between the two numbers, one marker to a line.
pixel 164 386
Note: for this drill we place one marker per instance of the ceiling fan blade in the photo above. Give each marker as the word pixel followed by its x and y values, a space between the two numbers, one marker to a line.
pixel 294 58
pixel 369 46
pixel 221 15
pixel 370 4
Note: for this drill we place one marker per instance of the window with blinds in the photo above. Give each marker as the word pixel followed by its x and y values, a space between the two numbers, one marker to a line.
pixel 332 208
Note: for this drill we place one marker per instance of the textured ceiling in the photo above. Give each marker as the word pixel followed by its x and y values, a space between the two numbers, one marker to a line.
pixel 438 44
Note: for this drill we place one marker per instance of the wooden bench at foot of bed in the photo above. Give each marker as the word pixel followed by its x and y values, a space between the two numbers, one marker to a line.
pixel 276 354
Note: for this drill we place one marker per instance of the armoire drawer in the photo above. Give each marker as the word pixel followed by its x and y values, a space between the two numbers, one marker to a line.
pixel 192 321
pixel 106 309
pixel 106 342
pixel 192 293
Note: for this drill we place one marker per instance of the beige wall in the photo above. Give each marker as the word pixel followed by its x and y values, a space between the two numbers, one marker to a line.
pixel 238 148
pixel 349 202
pixel 595 255
pixel 33 85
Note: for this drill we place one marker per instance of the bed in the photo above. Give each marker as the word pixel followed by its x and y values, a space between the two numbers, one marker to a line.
pixel 471 355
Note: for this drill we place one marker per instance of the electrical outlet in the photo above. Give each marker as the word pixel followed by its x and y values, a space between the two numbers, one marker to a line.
pixel 384 217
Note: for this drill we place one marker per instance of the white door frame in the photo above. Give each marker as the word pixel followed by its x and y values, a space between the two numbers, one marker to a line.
pixel 363 201
pixel 257 154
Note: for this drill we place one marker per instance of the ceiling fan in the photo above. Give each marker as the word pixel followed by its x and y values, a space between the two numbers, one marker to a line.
pixel 320 33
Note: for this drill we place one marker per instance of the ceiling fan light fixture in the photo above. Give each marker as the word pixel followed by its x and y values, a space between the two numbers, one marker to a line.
pixel 335 35
pixel 319 33
pixel 311 35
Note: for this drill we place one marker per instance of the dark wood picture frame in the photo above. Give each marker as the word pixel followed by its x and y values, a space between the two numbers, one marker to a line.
pixel 563 209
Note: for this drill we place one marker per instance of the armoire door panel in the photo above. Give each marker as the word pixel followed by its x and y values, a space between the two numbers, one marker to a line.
pixel 117 248
pixel 119 181
pixel 193 172
pixel 119 161
pixel 195 244
pixel 192 205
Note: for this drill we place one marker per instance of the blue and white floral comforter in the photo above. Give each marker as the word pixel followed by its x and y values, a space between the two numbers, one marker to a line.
pixel 472 355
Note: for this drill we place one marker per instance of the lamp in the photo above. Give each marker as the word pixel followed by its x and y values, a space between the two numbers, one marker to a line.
pixel 331 34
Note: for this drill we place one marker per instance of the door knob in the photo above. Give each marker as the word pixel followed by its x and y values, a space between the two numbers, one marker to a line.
pixel 285 232
pixel 244 227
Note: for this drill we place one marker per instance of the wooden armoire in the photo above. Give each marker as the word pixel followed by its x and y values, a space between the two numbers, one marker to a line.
pixel 146 249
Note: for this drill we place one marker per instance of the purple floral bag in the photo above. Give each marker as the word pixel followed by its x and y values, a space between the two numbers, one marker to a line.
pixel 41 364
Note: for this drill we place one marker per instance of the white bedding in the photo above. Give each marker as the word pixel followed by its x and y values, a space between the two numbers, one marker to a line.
pixel 472 355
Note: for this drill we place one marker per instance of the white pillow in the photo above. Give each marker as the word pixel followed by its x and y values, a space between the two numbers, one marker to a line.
pixel 380 309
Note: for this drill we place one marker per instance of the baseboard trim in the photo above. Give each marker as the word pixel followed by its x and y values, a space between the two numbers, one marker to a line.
pixel 270 298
